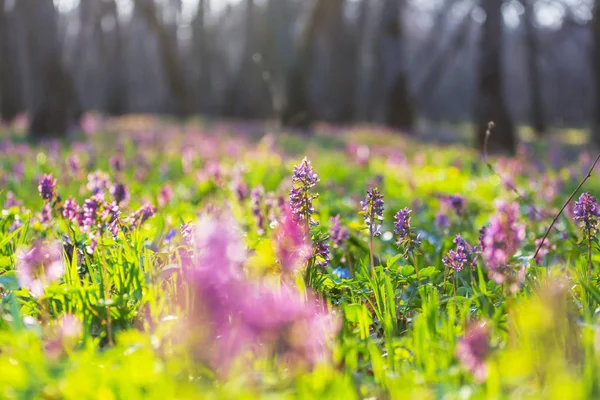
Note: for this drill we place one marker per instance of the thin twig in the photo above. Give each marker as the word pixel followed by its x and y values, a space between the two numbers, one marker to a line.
pixel 589 174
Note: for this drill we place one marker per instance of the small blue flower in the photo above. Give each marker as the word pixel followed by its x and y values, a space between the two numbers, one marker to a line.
pixel 170 235
pixel 342 273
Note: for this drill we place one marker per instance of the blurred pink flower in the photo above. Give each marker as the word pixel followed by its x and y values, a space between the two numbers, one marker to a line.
pixel 40 265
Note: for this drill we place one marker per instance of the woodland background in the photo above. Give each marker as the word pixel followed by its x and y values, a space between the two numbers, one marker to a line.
pixel 390 62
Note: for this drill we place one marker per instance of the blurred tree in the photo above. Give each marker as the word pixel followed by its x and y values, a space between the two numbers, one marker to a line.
pixel 440 60
pixel 536 103
pixel 490 104
pixel 11 92
pixel 87 66
pixel 114 62
pixel 201 55
pixel 247 94
pixel 297 108
pixel 596 68
pixel 399 112
pixel 278 51
pixel 169 57
pixel 52 104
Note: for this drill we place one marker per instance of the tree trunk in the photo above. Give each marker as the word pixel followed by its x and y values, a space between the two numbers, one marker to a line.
pixel 202 57
pixel 169 57
pixel 535 88
pixel 296 110
pixel 51 96
pixel 278 52
pixel 116 91
pixel 87 68
pixel 11 94
pixel 399 112
pixel 490 104
pixel 248 95
pixel 596 69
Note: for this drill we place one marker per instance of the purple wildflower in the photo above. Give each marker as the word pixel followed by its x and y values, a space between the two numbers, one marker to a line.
pixel 303 179
pixel 220 249
pixel 47 187
pixel 140 216
pixel 91 248
pixel 586 210
pixel 442 221
pixel 402 224
pixel 46 214
pixel 292 248
pixel 464 255
pixel 70 209
pixel 74 164
pixel 482 233
pixel 372 209
pixel 257 199
pixel 305 175
pixel 502 239
pixel 321 254
pixel 187 233
pixel 117 163
pixel 457 203
pixel 337 233
pixel 40 265
pixel 283 323
pixel 98 182
pixel 472 350
pixel 110 215
pixel 90 212
pixel 11 201
pixel 170 235
pixel 119 192
pixel 165 195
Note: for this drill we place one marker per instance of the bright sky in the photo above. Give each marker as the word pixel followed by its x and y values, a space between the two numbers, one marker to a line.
pixel 548 13
pixel 189 6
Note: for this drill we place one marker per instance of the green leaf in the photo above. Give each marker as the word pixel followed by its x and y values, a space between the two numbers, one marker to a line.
pixel 428 272
pixel 407 270
pixel 9 280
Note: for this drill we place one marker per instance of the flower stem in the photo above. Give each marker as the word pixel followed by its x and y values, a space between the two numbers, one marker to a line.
pixel 454 278
pixel 589 235
pixel 371 255
pixel 416 269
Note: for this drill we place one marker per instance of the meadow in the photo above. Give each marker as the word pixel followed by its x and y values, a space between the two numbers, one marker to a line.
pixel 154 260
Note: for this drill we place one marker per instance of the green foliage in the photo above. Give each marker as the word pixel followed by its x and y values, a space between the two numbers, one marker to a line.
pixel 399 329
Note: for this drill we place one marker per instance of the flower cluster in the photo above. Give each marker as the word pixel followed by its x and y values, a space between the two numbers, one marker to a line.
pixel 98 182
pixel 456 203
pixel 257 198
pixel 70 209
pixel 502 239
pixel 464 255
pixel 321 253
pixel 40 265
pixel 372 210
pixel 473 349
pixel 165 195
pixel 47 187
pixel 245 316
pixel 292 246
pixel 140 216
pixel 337 233
pixel 119 192
pixel 586 210
pixel 303 179
pixel 402 223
